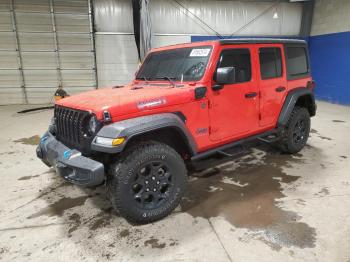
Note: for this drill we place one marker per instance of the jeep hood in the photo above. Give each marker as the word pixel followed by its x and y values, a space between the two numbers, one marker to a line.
pixel 129 99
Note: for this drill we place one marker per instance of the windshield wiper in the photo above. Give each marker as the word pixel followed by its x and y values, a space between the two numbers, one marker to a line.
pixel 143 78
pixel 167 78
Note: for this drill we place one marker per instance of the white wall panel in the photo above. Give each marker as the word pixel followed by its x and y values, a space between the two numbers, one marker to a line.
pixel 32 5
pixel 5 21
pixel 76 42
pixel 38 60
pixel 8 60
pixel 77 60
pixel 36 41
pixel 33 22
pixel 113 16
pixel 164 40
pixel 72 23
pixel 331 17
pixel 225 17
pixel 117 59
pixel 48 59
pixel 115 45
pixel 78 78
pixel 9 79
pixel 7 41
pixel 41 78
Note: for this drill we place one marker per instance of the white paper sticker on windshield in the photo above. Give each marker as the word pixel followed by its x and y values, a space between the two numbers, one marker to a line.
pixel 200 52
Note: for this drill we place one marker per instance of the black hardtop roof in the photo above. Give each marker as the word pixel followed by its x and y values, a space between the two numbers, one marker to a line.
pixel 261 40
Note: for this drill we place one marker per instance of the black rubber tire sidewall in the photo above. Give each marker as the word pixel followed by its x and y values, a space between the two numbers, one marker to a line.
pixel 124 171
pixel 297 114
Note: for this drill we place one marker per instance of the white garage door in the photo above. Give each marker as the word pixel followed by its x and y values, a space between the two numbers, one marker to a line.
pixel 45 44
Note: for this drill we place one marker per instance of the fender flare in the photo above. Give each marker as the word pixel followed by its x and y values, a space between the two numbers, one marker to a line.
pixel 140 125
pixel 290 102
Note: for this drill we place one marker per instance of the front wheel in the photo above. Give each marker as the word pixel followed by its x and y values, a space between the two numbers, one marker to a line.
pixel 297 131
pixel 148 182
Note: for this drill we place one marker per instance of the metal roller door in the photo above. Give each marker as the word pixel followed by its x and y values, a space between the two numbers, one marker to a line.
pixel 45 44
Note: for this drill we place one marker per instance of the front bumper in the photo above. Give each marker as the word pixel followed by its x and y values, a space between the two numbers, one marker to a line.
pixel 69 163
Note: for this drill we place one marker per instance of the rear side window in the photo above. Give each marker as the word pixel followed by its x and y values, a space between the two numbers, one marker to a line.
pixel 297 62
pixel 270 62
pixel 240 59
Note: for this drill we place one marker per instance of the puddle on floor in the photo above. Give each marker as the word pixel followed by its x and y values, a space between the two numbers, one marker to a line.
pixel 33 140
pixel 246 196
pixel 57 208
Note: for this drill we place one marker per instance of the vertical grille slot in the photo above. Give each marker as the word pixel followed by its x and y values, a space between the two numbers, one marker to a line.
pixel 70 125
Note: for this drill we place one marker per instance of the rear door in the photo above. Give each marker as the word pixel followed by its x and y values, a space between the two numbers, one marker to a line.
pixel 272 82
pixel 234 110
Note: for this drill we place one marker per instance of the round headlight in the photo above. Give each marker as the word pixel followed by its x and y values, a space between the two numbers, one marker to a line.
pixel 93 125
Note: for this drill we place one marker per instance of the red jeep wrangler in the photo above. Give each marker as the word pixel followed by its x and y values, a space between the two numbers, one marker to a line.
pixel 187 103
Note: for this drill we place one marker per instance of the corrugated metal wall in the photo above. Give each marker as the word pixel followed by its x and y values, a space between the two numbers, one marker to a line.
pixel 45 44
pixel 32 30
pixel 115 45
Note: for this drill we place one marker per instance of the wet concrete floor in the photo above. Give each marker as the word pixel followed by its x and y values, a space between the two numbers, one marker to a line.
pixel 265 206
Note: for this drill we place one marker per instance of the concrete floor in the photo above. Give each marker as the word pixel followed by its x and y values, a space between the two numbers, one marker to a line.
pixel 262 207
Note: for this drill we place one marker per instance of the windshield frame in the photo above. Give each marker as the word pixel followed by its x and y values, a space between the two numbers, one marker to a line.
pixel 139 78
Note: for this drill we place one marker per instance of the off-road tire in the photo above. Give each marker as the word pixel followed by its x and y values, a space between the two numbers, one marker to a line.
pixel 130 168
pixel 288 140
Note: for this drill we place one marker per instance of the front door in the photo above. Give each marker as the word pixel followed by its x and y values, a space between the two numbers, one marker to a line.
pixel 234 110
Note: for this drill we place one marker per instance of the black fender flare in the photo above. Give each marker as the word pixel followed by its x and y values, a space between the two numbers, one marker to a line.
pixel 291 100
pixel 140 125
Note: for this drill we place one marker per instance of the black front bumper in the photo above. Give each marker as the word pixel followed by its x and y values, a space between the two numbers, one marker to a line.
pixel 69 163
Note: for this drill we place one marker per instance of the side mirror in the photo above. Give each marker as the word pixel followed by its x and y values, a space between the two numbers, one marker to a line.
pixel 225 75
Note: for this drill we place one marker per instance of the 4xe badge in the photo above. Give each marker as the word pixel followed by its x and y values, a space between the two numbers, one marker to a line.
pixel 67 154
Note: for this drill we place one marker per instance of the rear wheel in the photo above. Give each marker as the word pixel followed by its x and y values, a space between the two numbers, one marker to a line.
pixel 147 183
pixel 297 131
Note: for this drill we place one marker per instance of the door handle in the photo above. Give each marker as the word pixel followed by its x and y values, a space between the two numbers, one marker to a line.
pixel 280 89
pixel 251 95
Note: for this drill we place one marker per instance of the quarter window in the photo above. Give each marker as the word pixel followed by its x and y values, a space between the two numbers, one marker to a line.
pixel 297 63
pixel 240 59
pixel 270 62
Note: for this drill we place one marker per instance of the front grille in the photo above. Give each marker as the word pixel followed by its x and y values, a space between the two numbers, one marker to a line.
pixel 70 125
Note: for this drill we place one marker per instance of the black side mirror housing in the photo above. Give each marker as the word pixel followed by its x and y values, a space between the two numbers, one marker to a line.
pixel 225 75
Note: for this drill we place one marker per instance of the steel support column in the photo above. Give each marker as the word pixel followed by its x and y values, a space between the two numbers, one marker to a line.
pixel 306 19
pixel 92 39
pixel 18 49
pixel 57 51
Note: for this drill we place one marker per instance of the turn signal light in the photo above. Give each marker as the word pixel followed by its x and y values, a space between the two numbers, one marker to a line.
pixel 118 141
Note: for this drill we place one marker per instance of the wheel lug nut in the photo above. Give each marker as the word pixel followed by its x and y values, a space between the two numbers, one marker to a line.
pixel 146 182
pixel 147 189
pixel 154 189
pixel 153 178
pixel 157 182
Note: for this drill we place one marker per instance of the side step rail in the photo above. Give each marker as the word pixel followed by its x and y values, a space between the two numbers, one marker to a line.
pixel 220 158
pixel 223 149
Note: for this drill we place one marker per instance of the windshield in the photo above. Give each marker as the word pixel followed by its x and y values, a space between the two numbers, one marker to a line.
pixel 183 64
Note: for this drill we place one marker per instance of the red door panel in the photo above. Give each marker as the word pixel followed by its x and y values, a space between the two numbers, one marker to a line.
pixel 272 82
pixel 234 110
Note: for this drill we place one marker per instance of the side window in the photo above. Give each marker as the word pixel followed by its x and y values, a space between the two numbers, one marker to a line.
pixel 297 63
pixel 270 62
pixel 240 59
